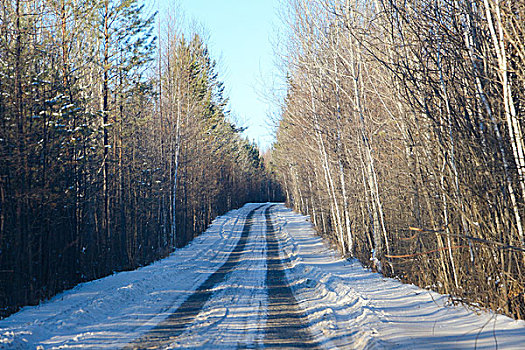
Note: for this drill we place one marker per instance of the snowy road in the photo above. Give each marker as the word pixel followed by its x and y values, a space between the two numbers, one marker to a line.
pixel 258 278
pixel 285 325
pixel 184 318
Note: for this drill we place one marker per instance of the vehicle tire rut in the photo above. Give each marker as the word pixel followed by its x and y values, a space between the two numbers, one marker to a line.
pixel 286 325
pixel 175 324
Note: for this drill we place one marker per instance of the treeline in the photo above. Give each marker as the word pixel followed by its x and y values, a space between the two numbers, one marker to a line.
pixel 402 137
pixel 114 149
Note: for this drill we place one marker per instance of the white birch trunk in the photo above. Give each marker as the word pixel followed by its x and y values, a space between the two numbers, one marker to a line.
pixel 515 133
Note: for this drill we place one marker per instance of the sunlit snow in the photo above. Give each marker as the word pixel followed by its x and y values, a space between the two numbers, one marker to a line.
pixel 347 306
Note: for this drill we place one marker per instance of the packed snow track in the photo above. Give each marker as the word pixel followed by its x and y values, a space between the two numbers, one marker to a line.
pixel 257 278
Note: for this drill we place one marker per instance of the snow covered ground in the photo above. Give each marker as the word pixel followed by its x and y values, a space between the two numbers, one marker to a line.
pixel 353 308
pixel 113 311
pixel 346 305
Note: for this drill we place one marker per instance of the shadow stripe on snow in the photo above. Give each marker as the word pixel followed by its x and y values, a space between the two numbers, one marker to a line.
pixel 287 325
pixel 175 324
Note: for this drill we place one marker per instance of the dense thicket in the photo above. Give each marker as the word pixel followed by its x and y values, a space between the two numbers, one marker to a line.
pixel 104 165
pixel 402 137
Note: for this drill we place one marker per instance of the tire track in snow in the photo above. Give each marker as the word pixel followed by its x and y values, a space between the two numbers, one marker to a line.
pixel 175 324
pixel 286 325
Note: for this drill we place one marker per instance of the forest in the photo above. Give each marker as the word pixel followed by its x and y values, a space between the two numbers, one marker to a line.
pixel 401 137
pixel 116 143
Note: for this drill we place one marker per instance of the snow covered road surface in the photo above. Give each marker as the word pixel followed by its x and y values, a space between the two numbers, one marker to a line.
pixel 172 329
pixel 232 288
pixel 286 324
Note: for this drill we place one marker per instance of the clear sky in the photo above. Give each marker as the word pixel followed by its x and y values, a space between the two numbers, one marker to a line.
pixel 241 33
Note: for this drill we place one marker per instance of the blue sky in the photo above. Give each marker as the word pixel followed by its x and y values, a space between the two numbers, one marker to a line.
pixel 240 38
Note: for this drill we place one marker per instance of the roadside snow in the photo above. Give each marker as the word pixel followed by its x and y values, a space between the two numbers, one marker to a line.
pixel 347 305
pixel 350 307
pixel 113 311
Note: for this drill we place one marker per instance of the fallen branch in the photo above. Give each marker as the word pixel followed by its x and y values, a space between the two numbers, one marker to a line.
pixel 424 253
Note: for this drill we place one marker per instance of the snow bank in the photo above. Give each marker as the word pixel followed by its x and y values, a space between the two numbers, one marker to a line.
pixel 351 307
